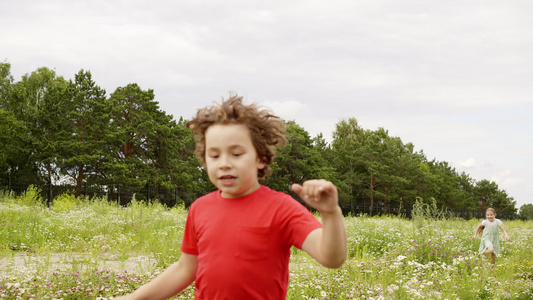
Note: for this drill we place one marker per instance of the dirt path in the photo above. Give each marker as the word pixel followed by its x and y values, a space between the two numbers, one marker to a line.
pixel 21 262
pixel 44 263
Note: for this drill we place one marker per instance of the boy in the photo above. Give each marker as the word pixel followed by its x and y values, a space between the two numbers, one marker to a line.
pixel 238 239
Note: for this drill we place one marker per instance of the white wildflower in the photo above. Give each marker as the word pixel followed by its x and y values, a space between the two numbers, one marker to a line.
pixel 401 257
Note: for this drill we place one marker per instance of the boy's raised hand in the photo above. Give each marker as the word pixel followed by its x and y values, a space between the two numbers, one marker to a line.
pixel 327 245
pixel 320 194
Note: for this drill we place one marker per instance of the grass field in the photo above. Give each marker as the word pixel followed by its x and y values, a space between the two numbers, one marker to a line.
pixel 94 249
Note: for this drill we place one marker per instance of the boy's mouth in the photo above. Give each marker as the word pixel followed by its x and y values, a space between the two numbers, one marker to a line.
pixel 227 179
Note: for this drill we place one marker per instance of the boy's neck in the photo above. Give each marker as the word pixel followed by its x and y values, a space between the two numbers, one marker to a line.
pixel 253 191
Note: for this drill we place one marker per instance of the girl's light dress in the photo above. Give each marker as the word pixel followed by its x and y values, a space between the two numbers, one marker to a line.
pixel 491 236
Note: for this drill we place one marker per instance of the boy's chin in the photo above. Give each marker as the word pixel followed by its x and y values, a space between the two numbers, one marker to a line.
pixel 228 194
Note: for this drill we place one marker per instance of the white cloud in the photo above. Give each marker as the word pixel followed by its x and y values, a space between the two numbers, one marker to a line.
pixel 451 77
pixel 507 179
pixel 470 162
pixel 512 182
pixel 288 110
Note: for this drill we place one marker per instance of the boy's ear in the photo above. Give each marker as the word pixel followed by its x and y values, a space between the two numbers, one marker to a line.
pixel 260 164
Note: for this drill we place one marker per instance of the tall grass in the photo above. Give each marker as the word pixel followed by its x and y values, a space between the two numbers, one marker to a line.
pixel 90 225
pixel 428 257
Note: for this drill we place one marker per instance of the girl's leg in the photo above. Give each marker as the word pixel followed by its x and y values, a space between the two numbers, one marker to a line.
pixel 489 250
pixel 493 260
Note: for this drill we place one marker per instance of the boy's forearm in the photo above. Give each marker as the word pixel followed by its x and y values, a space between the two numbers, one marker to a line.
pixel 173 280
pixel 160 287
pixel 334 241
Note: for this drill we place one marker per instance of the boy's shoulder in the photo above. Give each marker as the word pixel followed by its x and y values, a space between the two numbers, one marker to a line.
pixel 274 194
pixel 207 196
pixel 267 194
pixel 262 194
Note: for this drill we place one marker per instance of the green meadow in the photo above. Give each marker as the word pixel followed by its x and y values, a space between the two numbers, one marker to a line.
pixel 96 249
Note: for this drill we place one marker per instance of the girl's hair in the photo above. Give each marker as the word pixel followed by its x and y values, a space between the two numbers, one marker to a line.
pixel 491 209
pixel 479 230
pixel 266 130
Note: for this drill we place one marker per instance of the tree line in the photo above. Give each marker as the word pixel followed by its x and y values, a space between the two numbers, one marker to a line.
pixel 52 128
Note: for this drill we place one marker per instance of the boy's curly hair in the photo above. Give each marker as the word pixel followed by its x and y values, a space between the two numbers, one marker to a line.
pixel 266 130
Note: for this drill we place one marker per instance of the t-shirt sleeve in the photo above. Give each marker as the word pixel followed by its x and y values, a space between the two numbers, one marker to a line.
pixel 499 222
pixel 485 222
pixel 190 240
pixel 299 222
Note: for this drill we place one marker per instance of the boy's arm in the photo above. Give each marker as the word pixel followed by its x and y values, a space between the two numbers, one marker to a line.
pixel 327 245
pixel 169 283
pixel 505 233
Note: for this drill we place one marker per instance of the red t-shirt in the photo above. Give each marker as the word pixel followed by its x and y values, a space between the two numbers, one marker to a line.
pixel 244 244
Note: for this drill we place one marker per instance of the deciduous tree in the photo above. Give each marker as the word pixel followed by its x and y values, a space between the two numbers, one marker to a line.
pixel 526 212
pixel 489 195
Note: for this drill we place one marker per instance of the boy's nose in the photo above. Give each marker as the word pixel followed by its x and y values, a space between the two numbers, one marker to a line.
pixel 224 162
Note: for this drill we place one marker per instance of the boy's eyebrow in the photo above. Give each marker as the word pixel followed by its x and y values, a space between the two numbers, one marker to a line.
pixel 231 147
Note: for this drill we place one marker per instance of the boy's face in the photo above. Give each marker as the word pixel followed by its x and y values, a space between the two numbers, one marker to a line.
pixel 490 215
pixel 231 160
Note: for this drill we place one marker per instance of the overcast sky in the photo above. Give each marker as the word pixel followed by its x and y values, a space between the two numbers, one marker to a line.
pixel 455 78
